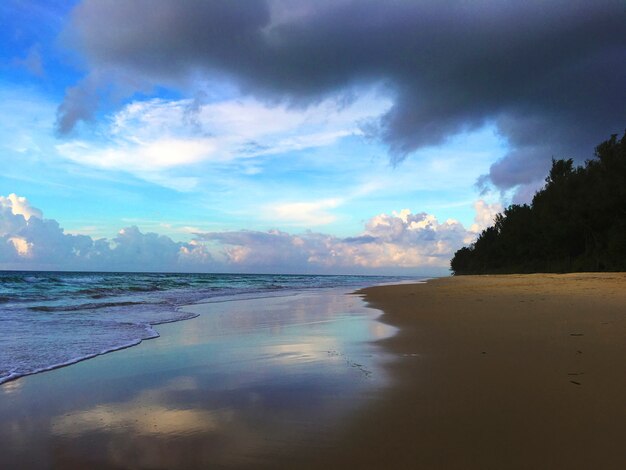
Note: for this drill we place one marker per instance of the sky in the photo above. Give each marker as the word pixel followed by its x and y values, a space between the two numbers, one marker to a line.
pixel 289 136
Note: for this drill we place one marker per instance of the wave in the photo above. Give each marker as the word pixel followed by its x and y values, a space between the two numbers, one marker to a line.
pixel 93 337
pixel 12 375
pixel 145 288
pixel 87 306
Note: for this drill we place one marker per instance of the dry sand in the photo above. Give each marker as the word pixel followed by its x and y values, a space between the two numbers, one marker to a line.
pixel 499 372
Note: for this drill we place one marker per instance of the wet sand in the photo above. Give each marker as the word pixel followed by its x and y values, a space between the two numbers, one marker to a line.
pixel 246 384
pixel 499 372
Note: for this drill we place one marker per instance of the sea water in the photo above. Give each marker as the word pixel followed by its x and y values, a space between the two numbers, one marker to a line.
pixel 51 319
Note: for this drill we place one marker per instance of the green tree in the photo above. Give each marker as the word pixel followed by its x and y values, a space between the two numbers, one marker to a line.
pixel 576 222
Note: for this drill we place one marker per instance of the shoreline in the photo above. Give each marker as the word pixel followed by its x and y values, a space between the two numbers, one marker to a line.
pixel 71 362
pixel 510 371
pixel 249 383
pixel 472 372
pixel 51 320
pixel 153 332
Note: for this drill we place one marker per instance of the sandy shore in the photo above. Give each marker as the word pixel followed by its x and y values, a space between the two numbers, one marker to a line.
pixel 500 372
pixel 491 372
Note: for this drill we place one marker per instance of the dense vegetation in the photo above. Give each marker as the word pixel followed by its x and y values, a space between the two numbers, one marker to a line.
pixel 577 222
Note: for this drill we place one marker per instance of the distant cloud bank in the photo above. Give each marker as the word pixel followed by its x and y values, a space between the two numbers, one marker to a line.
pixel 400 242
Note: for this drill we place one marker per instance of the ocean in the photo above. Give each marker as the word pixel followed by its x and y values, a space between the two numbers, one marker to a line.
pixel 52 319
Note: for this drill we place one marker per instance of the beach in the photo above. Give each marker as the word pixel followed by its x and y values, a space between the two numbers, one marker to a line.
pixel 523 371
pixel 464 372
pixel 249 382
pixel 272 234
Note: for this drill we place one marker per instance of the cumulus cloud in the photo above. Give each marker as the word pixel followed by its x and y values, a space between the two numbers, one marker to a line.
pixel 29 241
pixel 26 237
pixel 485 215
pixel 19 206
pixel 400 241
pixel 389 241
pixel 548 74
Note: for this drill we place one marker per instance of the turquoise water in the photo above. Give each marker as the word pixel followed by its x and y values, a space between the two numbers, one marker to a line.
pixel 51 319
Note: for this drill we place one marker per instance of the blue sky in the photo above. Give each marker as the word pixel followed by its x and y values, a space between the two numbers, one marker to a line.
pixel 201 153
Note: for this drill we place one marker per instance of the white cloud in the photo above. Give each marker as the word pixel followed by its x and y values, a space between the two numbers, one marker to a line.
pixel 139 157
pixel 397 241
pixel 29 241
pixel 151 138
pixel 485 215
pixel 19 206
pixel 21 245
pixel 308 214
pixel 239 184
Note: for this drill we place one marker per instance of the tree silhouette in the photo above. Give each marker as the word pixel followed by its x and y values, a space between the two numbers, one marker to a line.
pixel 576 222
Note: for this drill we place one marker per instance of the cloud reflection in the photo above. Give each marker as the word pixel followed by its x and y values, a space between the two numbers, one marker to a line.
pixel 147 414
pixel 139 419
pixel 11 387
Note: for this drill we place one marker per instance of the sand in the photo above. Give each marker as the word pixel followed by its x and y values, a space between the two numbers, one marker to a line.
pixel 247 384
pixel 500 372
pixel 489 372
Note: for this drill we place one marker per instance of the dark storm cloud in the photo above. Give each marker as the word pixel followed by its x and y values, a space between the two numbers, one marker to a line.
pixel 550 74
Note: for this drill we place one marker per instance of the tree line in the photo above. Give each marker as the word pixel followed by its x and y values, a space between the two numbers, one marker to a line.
pixel 577 222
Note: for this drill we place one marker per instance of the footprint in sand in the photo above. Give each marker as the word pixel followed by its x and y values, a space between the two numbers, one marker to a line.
pixel 575 374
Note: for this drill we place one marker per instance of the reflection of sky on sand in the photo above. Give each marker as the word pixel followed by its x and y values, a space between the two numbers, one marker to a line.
pixel 144 415
pixel 11 387
pixel 245 379
pixel 138 419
